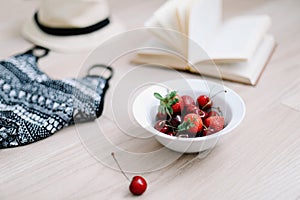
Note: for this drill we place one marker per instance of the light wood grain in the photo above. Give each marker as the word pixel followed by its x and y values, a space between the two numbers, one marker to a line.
pixel 260 159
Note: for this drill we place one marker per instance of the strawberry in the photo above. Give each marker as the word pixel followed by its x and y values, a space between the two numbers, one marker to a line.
pixel 192 123
pixel 176 107
pixel 170 104
pixel 215 122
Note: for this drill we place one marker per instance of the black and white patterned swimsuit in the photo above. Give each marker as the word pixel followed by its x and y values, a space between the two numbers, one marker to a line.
pixel 34 106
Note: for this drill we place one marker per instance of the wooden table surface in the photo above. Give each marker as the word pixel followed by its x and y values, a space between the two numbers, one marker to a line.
pixel 260 159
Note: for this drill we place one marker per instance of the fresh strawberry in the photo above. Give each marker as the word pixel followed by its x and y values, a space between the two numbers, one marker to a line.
pixel 170 104
pixel 191 123
pixel 176 107
pixel 215 122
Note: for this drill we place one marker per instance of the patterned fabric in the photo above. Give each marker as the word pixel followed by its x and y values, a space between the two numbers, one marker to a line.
pixel 33 106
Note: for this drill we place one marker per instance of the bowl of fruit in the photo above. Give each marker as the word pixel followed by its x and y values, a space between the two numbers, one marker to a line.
pixel 188 115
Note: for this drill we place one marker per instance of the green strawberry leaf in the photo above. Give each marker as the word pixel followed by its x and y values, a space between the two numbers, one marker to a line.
pixel 186 125
pixel 158 96
pixel 169 110
pixel 172 94
pixel 166 102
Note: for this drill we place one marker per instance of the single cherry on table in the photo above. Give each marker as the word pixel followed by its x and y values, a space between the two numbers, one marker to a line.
pixel 138 184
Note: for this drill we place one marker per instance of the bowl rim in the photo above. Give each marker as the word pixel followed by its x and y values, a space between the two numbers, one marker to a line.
pixel 224 131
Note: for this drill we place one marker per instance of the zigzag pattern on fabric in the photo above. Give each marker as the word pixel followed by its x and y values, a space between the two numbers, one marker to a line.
pixel 33 106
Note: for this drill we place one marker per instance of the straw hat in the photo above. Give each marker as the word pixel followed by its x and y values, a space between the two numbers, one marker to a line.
pixel 71 25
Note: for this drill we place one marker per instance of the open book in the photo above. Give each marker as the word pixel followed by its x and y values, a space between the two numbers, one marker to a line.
pixel 240 46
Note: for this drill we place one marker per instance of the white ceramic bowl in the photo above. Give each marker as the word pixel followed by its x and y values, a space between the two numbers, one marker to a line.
pixel 231 104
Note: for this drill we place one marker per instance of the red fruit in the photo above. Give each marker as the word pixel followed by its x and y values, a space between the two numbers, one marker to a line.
pixel 170 104
pixel 161 116
pixel 204 102
pixel 209 114
pixel 212 113
pixel 176 108
pixel 187 100
pixel 208 131
pixel 171 133
pixel 192 123
pixel 161 126
pixel 175 121
pixel 205 115
pixel 215 122
pixel 194 109
pixel 138 185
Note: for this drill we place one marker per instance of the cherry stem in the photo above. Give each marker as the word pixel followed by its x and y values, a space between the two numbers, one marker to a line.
pixel 209 102
pixel 219 110
pixel 113 155
pixel 218 93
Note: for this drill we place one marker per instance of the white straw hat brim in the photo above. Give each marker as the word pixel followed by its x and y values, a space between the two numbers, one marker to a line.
pixel 77 43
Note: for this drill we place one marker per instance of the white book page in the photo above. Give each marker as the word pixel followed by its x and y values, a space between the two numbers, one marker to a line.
pixel 158 30
pixel 166 15
pixel 238 38
pixel 154 47
pixel 247 72
pixel 205 20
pixel 166 18
pixel 183 15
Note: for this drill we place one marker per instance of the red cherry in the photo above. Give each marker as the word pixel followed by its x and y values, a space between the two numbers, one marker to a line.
pixel 138 185
pixel 175 121
pixel 208 131
pixel 161 116
pixel 205 115
pixel 204 102
pixel 209 114
pixel 194 109
pixel 212 113
pixel 161 126
pixel 171 133
pixel 187 100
